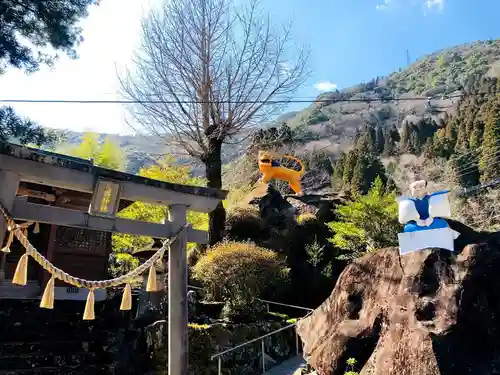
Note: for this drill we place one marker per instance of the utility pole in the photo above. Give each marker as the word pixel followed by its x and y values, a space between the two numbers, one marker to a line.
pixel 408 61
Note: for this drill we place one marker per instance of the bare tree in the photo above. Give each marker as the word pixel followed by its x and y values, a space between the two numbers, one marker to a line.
pixel 206 71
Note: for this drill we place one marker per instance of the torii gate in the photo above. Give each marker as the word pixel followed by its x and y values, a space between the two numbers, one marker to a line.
pixel 107 188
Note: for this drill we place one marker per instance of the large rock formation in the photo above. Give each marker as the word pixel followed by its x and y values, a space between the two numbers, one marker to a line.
pixel 431 312
pixel 271 203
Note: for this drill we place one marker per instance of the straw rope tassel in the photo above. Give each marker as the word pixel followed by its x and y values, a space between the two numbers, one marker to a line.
pixel 36 228
pixel 6 248
pixel 21 274
pixel 127 298
pixel 151 287
pixel 48 295
pixel 89 313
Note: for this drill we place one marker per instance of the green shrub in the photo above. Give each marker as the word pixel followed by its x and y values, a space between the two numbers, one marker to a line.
pixel 351 362
pixel 368 223
pixel 121 263
pixel 306 216
pixel 239 271
pixel 244 224
pixel 237 310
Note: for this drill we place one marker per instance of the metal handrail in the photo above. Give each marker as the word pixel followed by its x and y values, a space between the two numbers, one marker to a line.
pixel 261 338
pixel 252 341
pixel 266 301
pixel 285 304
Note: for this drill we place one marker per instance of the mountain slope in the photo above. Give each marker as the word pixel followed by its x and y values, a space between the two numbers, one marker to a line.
pixel 442 75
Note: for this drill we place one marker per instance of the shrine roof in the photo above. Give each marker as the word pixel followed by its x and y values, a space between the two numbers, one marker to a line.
pixel 83 165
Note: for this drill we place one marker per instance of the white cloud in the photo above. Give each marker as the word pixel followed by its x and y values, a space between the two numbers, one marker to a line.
pixel 431 4
pixel 325 86
pixel 384 6
pixel 428 4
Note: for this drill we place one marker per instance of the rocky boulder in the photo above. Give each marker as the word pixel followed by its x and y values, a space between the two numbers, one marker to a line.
pixel 271 203
pixel 323 205
pixel 432 312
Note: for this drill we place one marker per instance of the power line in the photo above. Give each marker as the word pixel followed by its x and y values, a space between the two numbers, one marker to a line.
pixel 473 189
pixel 266 102
pixel 471 166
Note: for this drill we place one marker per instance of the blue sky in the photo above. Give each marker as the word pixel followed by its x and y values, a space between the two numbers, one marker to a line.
pixel 351 41
pixel 355 40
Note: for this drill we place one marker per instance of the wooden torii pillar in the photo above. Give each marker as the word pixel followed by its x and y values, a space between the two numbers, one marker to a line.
pixel 107 188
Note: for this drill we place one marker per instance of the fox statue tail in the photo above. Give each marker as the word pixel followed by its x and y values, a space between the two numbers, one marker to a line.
pixel 302 168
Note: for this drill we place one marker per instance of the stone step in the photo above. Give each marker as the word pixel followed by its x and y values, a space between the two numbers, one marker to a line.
pixel 37 321
pixel 72 311
pixel 51 326
pixel 288 367
pixel 22 347
pixel 64 334
pixel 61 370
pixel 29 361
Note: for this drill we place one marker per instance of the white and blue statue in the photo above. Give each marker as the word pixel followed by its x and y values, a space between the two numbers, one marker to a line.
pixel 423 217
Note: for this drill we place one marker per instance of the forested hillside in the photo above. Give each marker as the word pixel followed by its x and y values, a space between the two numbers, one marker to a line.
pixel 436 98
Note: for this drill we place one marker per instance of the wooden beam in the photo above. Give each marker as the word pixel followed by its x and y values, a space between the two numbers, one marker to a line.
pixel 54 175
pixel 36 194
pixel 8 188
pixel 50 252
pixel 39 173
pixel 149 194
pixel 79 219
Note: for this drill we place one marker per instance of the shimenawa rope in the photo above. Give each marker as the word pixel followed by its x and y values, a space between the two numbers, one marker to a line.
pixel 20 275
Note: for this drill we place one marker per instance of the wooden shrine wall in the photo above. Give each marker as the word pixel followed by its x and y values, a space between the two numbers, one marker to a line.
pixel 81 253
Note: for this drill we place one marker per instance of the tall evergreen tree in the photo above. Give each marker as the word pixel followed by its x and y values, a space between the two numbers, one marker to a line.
pixel 462 169
pixel 389 147
pixel 371 134
pixel 360 173
pixel 476 137
pixel 462 144
pixel 349 164
pixel 451 131
pixel 379 140
pixel 47 23
pixel 429 148
pixel 394 133
pixel 414 144
pixel 357 135
pixel 368 167
pixel 338 171
pixel 426 129
pixel 490 159
pixel 405 136
pixel 23 131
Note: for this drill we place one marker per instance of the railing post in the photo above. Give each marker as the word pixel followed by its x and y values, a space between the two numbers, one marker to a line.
pixel 219 365
pixel 263 356
pixel 268 309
